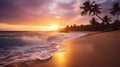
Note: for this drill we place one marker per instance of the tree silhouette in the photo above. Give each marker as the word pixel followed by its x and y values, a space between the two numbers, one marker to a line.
pixel 86 7
pixel 115 10
pixel 67 27
pixel 116 23
pixel 94 22
pixel 106 20
pixel 96 10
pixel 92 8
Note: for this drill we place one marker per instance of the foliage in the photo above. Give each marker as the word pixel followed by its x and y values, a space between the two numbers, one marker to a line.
pixel 115 10
pixel 93 9
pixel 106 20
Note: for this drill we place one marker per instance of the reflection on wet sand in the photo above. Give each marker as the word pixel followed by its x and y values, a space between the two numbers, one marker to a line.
pixel 61 56
pixel 61 59
pixel 72 54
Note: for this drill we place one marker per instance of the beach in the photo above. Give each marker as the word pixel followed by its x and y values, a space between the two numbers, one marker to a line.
pixel 97 50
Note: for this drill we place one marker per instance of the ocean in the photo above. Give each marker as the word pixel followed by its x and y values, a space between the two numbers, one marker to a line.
pixel 22 46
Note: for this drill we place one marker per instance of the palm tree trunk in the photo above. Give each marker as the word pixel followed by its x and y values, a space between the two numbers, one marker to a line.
pixel 99 17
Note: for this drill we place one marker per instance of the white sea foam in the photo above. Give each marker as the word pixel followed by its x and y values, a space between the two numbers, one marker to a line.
pixel 33 46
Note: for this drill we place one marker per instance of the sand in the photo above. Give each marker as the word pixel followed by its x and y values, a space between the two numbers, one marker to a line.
pixel 98 50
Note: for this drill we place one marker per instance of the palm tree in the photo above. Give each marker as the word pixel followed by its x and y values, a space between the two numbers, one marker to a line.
pixel 86 7
pixel 106 20
pixel 115 10
pixel 91 8
pixel 94 22
pixel 96 10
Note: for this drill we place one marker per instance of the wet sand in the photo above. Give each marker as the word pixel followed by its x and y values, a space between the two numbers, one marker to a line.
pixel 98 50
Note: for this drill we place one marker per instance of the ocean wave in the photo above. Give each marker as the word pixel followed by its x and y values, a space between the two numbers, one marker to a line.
pixel 20 47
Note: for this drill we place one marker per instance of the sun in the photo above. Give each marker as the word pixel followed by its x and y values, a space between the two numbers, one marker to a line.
pixel 54 27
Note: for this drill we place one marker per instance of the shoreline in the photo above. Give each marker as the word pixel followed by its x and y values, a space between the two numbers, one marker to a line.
pixel 91 50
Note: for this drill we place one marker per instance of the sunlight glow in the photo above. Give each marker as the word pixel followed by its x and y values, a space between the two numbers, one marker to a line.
pixel 60 59
pixel 54 27
pixel 7 27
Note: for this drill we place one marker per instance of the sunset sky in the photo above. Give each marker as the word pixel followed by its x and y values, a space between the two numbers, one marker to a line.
pixel 39 15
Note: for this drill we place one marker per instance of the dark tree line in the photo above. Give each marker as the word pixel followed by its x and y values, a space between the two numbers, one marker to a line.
pixel 94 10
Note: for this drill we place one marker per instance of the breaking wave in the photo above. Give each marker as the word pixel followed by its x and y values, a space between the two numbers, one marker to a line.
pixel 23 46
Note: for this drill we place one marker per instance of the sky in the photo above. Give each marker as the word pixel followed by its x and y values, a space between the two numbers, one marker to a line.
pixel 39 15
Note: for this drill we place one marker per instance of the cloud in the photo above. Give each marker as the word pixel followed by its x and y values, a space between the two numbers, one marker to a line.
pixel 42 12
pixel 18 11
